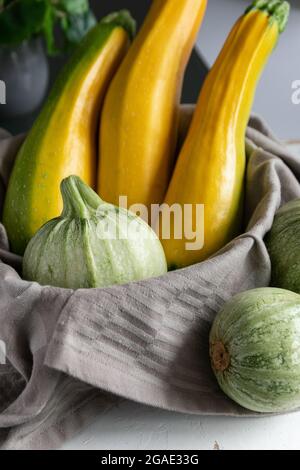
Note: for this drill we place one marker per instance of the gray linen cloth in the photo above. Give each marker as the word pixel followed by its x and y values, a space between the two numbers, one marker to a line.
pixel 71 355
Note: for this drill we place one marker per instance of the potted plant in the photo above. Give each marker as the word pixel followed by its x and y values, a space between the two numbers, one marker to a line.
pixel 27 35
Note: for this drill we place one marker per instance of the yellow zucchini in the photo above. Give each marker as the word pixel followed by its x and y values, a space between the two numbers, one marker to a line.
pixel 63 140
pixel 140 117
pixel 211 166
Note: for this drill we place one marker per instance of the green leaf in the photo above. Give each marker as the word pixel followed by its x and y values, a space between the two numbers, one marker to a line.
pixel 22 20
pixel 77 26
pixel 74 7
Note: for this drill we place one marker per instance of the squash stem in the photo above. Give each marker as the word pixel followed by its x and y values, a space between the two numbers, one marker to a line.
pixel 123 19
pixel 278 10
pixel 79 200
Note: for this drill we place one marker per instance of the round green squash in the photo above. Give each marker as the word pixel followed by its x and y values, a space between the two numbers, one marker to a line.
pixel 283 244
pixel 92 244
pixel 255 350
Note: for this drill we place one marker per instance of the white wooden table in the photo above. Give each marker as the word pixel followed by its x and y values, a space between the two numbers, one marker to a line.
pixel 132 426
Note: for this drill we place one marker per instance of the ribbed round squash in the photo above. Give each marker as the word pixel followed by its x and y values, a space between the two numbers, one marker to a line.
pixel 92 244
pixel 255 350
pixel 283 243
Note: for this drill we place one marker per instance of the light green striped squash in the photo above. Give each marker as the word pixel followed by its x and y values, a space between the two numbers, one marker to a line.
pixel 255 350
pixel 283 244
pixel 92 244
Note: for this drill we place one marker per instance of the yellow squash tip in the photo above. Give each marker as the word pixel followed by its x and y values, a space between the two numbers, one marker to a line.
pixel 122 18
pixel 277 10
